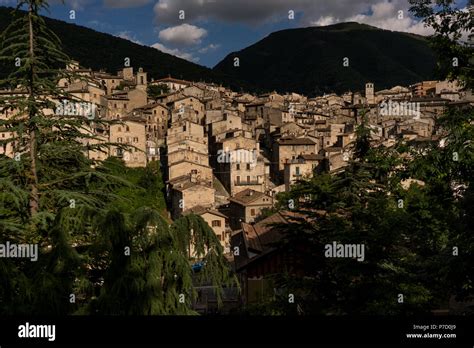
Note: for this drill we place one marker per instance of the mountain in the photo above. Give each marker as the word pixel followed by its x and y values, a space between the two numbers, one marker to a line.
pixel 103 51
pixel 310 60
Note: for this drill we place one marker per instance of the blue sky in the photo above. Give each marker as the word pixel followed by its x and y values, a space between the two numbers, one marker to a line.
pixel 211 29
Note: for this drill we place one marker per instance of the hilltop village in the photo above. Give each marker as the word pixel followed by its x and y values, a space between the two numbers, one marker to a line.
pixel 225 155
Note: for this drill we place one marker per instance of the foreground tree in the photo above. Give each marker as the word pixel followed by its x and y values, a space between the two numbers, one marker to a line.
pixel 451 26
pixel 52 195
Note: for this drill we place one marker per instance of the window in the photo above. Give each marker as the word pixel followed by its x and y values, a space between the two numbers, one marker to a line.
pixel 248 166
pixel 125 106
pixel 248 179
pixel 238 179
pixel 297 170
pixel 194 171
pixel 252 212
pixel 141 80
pixel 127 129
pixel 216 223
pixel 238 166
pixel 119 140
pixel 135 139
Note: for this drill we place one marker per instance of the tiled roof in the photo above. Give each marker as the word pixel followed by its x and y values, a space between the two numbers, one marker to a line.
pixel 296 141
pixel 312 157
pixel 248 196
pixel 200 210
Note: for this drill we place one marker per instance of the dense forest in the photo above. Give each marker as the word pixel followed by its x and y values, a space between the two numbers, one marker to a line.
pixel 310 60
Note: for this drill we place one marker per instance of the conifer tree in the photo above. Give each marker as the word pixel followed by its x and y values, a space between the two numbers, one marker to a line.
pixel 53 195
pixel 47 195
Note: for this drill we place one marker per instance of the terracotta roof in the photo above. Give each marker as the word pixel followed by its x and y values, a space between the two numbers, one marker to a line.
pixel 171 79
pixel 135 118
pixel 312 157
pixel 248 196
pixel 151 106
pixel 185 185
pixel 333 149
pixel 263 233
pixel 200 210
pixel 296 141
pixel 189 161
pixel 261 236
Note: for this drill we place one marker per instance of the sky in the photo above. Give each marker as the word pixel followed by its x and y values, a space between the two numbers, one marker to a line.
pixel 205 31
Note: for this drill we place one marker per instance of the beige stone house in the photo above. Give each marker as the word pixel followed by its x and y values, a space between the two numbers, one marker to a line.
pixel 188 167
pixel 422 127
pixel 188 154
pixel 247 205
pixel 242 169
pixel 217 221
pixel 119 104
pixel 227 122
pixel 184 130
pixel 188 145
pixel 191 102
pixel 172 83
pixel 187 193
pixel 289 148
pixel 300 168
pixel 130 133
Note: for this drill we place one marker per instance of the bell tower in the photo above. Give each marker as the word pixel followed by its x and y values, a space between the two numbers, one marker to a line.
pixel 369 93
pixel 141 79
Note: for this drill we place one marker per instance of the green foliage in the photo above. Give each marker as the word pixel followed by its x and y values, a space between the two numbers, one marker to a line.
pixel 450 23
pixel 409 248
pixel 154 91
pixel 83 213
pixel 151 279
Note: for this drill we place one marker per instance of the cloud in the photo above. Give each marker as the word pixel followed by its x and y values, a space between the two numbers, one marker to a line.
pixel 127 35
pixel 208 48
pixel 380 13
pixel 125 3
pixel 251 11
pixel 392 16
pixel 183 35
pixel 175 52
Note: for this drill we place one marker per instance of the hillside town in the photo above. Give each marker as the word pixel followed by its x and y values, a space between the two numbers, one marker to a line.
pixel 225 155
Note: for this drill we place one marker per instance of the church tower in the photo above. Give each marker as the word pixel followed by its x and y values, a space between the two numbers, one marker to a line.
pixel 141 79
pixel 369 93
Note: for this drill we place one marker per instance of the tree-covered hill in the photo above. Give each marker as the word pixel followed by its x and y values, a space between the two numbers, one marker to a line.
pixel 310 60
